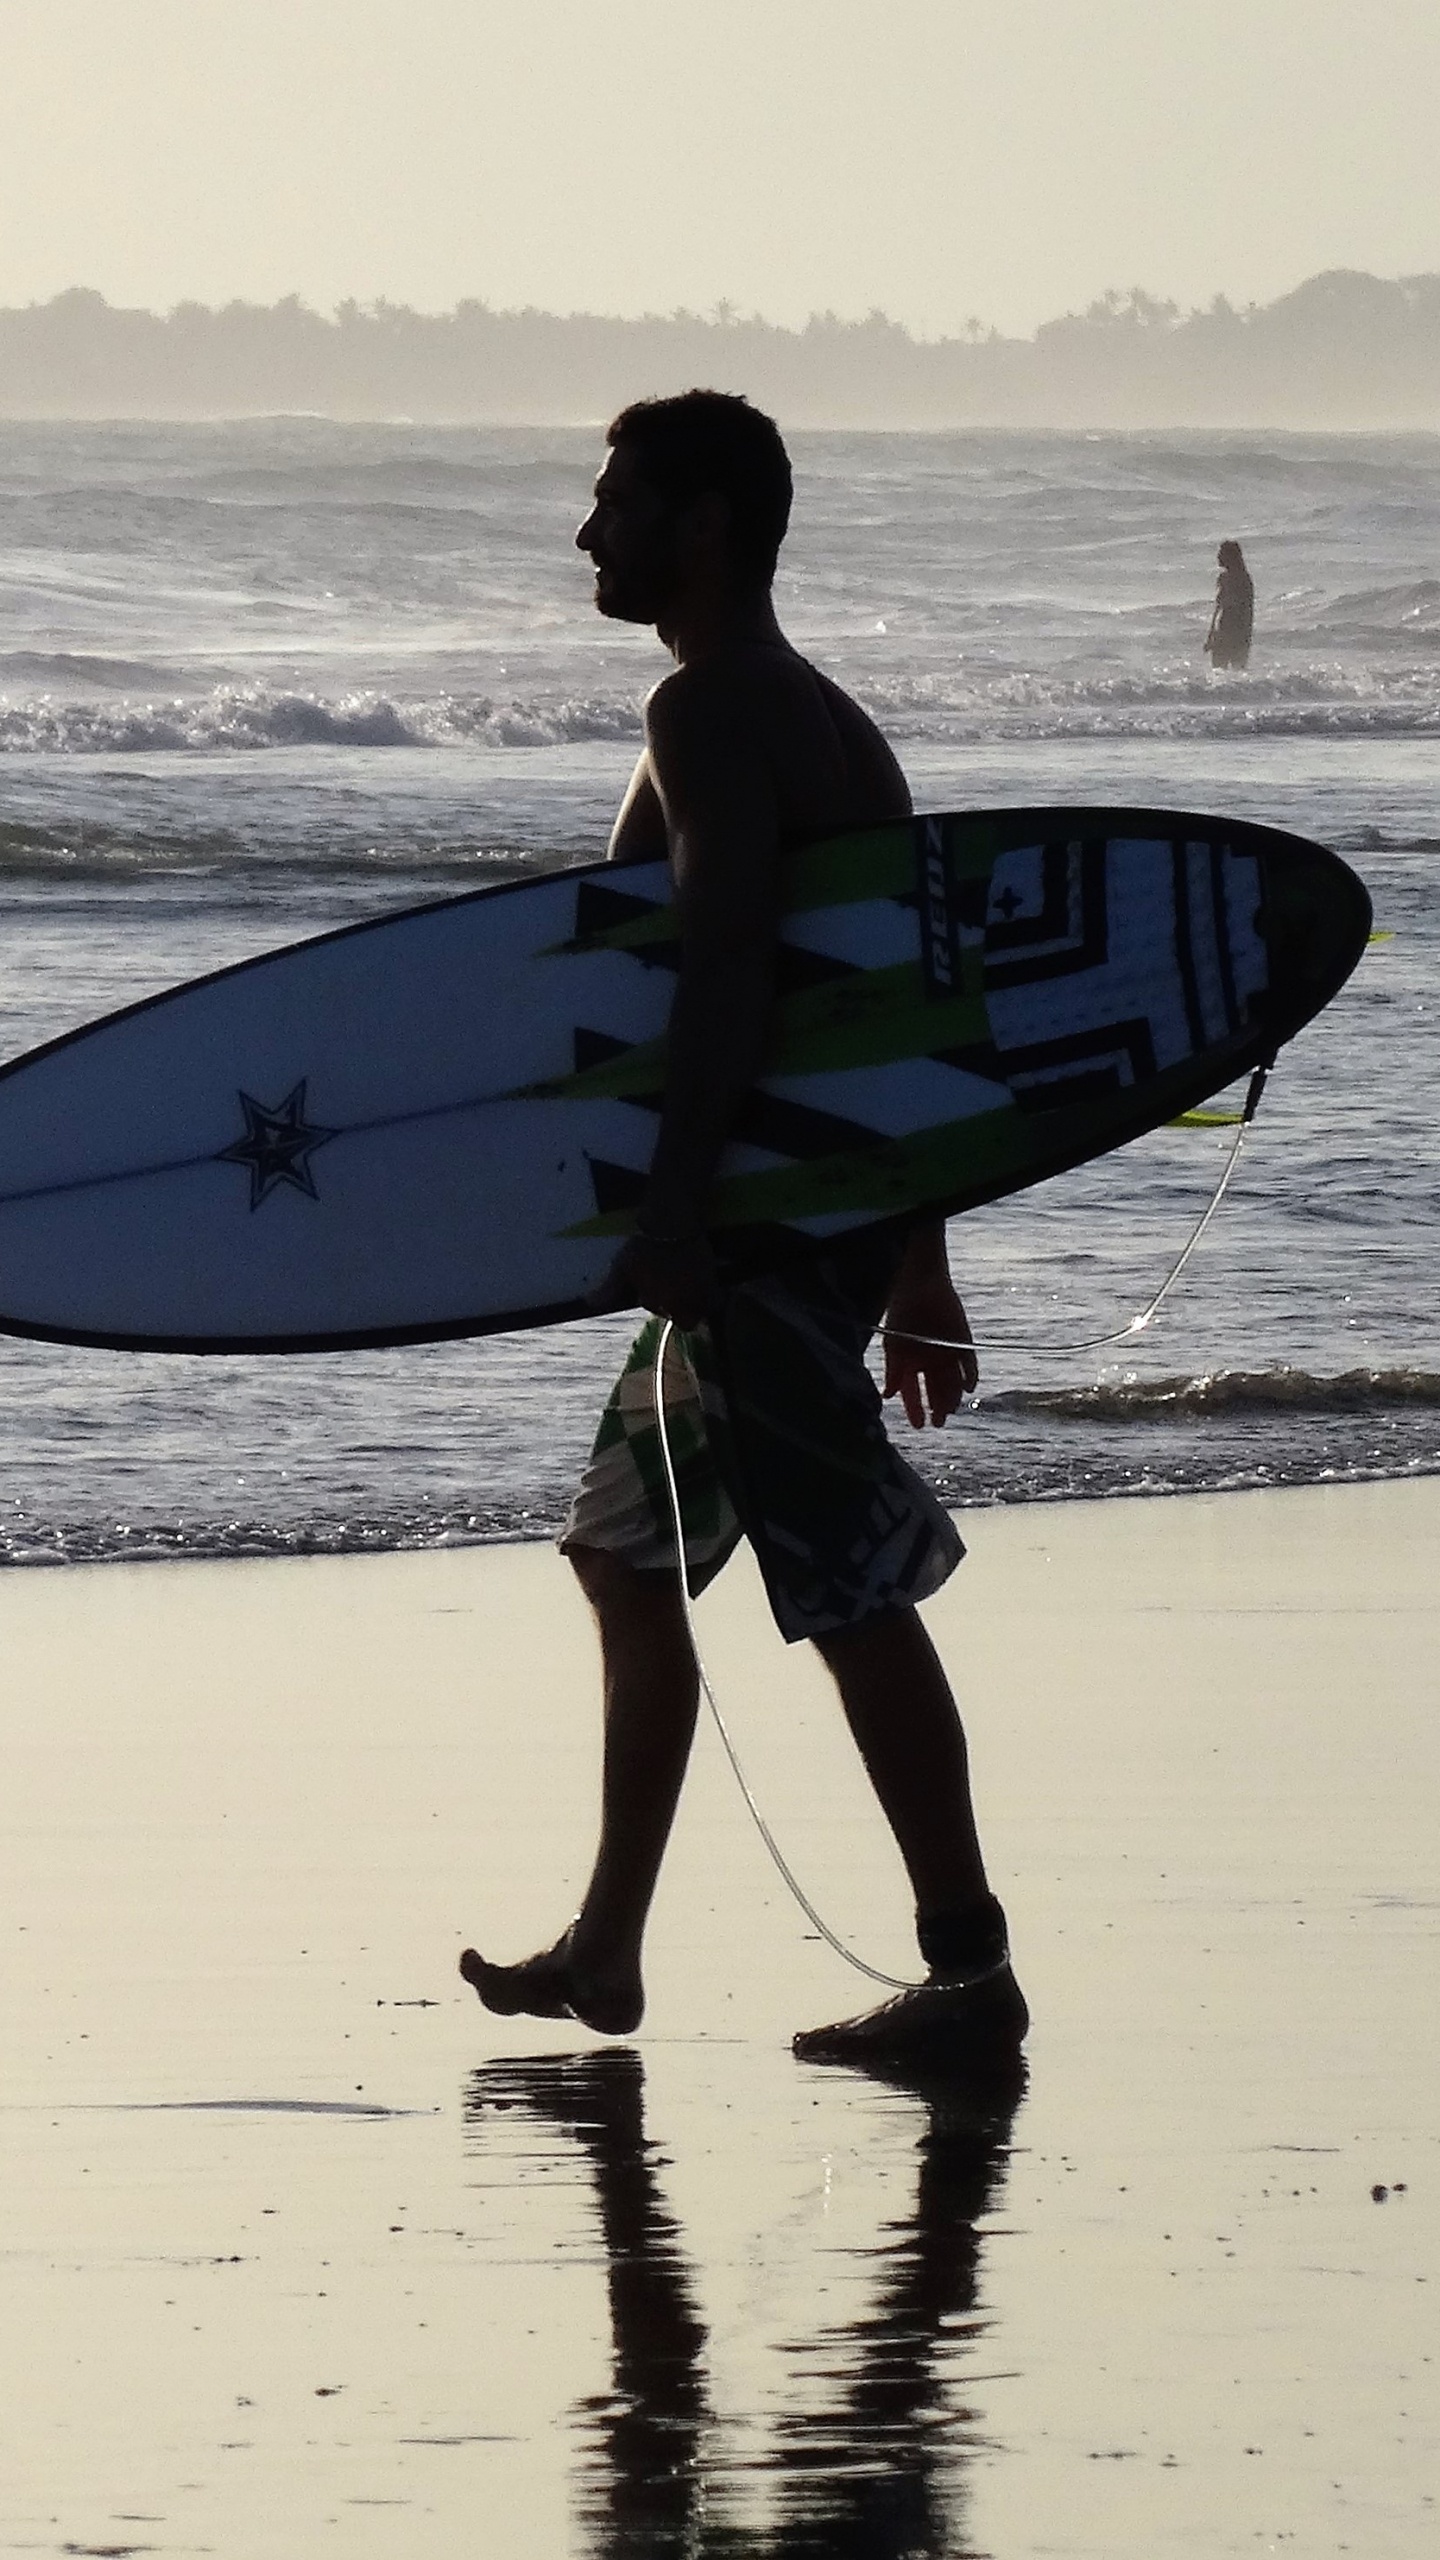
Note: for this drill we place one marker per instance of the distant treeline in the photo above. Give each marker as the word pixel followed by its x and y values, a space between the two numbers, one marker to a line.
pixel 1345 350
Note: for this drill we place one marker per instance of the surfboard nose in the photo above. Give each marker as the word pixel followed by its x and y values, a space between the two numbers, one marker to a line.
pixel 1315 915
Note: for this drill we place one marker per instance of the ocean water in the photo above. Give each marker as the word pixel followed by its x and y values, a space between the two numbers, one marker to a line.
pixel 260 679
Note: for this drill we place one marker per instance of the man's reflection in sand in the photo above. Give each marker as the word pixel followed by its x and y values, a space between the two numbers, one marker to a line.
pixel 877 2471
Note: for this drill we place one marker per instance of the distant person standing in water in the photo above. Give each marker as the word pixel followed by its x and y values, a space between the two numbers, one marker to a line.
pixel 1232 624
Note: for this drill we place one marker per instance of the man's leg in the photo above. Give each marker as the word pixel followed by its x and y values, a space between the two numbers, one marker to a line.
pixel 900 1709
pixel 651 1695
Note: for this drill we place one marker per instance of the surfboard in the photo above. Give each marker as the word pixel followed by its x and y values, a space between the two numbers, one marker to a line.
pixel 438 1122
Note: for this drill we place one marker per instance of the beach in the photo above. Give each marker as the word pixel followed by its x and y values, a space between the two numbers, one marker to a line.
pixel 304 2251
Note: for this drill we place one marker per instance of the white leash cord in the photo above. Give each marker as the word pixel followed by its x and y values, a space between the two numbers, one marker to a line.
pixel 1137 1324
pixel 891 1981
pixel 1091 1341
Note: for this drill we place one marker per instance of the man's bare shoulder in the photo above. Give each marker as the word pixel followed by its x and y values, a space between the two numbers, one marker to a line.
pixel 828 763
pixel 754 678
pixel 728 690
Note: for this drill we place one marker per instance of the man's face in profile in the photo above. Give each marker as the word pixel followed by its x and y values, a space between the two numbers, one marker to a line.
pixel 630 535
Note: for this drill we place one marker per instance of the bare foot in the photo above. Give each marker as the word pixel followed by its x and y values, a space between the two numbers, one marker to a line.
pixel 975 2021
pixel 555 1985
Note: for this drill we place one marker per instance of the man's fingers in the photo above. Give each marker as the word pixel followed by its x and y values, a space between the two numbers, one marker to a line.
pixel 949 1377
pixel 942 1380
pixel 902 1379
pixel 962 1375
pixel 946 1397
pixel 937 1380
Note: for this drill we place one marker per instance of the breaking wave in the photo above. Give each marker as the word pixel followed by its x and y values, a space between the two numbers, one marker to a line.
pixel 1227 1392
pixel 1313 701
pixel 962 707
pixel 253 717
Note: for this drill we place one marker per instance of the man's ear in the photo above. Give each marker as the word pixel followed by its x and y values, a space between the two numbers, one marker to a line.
pixel 705 522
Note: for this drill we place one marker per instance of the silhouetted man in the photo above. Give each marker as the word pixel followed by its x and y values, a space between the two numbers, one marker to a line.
pixel 748 750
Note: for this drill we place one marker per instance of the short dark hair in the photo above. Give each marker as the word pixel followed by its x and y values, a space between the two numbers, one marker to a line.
pixel 698 441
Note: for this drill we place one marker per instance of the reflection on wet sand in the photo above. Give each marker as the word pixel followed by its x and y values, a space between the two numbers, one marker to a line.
pixel 875 2467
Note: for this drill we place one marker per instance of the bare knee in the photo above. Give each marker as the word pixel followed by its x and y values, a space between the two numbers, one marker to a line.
pixel 621 1592
pixel 889 1635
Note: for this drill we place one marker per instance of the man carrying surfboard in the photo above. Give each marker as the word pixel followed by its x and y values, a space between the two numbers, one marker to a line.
pixel 771 1413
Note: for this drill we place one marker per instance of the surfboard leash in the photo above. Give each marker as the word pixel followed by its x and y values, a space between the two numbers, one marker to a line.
pixel 1137 1324
pixel 890 1981
pixel 1148 1313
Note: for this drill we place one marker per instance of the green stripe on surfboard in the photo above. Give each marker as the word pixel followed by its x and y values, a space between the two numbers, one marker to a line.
pixel 1004 1147
pixel 894 1175
pixel 866 1019
pixel 880 863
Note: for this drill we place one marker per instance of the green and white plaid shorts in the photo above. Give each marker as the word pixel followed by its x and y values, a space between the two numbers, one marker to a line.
pixel 776 1432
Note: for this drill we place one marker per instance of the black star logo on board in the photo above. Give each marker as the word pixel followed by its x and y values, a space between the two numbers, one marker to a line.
pixel 277 1145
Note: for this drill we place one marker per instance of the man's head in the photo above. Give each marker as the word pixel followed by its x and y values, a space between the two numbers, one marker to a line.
pixel 697 485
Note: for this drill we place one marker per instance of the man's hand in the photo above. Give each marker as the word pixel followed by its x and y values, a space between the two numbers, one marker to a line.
pixel 675 1280
pixel 924 1302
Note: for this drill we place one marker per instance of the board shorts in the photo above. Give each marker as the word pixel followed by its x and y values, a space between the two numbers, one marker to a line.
pixel 776 1434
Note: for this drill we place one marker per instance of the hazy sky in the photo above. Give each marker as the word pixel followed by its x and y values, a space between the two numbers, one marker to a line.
pixel 1007 158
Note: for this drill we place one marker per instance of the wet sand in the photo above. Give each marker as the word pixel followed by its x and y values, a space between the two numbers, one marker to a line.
pixel 304 2253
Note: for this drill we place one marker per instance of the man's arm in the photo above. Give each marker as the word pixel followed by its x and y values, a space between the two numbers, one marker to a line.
pixel 715 784
pixel 924 1301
